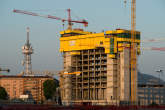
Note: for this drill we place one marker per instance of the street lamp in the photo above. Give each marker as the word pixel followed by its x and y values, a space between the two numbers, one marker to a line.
pixel 159 72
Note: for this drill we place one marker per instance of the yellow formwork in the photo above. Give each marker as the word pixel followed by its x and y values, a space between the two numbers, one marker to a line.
pixel 87 40
pixel 75 31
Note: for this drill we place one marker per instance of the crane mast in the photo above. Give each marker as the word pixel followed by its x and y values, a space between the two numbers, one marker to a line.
pixel 69 20
pixel 133 59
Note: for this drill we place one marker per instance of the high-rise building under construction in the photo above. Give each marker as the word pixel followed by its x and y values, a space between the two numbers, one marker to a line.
pixel 97 68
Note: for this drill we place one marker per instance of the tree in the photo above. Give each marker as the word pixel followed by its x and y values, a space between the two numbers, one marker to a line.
pixel 3 93
pixel 153 104
pixel 50 88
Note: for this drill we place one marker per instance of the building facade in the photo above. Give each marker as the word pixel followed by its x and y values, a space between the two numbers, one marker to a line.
pixel 16 86
pixel 151 90
pixel 151 94
pixel 103 62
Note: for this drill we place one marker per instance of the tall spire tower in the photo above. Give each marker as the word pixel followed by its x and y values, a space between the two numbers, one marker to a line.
pixel 27 51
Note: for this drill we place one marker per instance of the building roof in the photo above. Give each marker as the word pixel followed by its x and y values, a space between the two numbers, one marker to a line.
pixel 149 80
pixel 18 76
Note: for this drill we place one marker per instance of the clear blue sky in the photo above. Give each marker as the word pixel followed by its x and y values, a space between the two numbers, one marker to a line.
pixel 101 15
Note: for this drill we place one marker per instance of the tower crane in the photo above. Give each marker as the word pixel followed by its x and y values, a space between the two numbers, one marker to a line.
pixel 69 20
pixel 133 59
pixel 7 70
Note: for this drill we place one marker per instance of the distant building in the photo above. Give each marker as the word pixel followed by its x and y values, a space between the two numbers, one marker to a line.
pixel 149 94
pixel 17 86
pixel 151 90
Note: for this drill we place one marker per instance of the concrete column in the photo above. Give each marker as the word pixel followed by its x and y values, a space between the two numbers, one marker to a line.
pixel 111 80
pixel 68 89
pixel 67 79
pixel 124 75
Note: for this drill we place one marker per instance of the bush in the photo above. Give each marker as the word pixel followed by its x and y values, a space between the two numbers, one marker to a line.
pixel 153 104
pixel 3 93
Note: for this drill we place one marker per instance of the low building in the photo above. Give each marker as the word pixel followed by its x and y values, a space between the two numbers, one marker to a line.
pixel 151 90
pixel 149 94
pixel 17 86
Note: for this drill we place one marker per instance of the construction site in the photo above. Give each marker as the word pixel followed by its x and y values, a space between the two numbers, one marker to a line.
pixel 99 68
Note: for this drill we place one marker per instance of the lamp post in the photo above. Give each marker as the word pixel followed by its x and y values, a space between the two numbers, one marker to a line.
pixel 159 72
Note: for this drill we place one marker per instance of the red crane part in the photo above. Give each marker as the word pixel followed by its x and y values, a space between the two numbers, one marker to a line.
pixel 69 20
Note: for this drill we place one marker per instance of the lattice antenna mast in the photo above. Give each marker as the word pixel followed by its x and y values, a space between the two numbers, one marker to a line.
pixel 27 51
pixel 27 41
